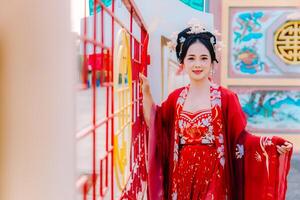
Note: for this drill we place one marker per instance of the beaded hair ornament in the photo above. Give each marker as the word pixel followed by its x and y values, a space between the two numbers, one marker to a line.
pixel 196 27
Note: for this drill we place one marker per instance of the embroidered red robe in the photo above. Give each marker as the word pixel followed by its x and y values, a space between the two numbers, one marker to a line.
pixel 252 166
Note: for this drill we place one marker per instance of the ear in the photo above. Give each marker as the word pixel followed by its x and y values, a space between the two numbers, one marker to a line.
pixel 180 65
pixel 183 68
pixel 180 69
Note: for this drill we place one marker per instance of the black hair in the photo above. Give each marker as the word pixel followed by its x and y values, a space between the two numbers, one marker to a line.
pixel 185 39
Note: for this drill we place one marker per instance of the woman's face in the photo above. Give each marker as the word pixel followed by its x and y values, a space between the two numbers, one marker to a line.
pixel 197 62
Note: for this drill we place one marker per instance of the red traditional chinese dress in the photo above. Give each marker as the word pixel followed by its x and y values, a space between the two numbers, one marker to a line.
pixel 210 155
pixel 198 174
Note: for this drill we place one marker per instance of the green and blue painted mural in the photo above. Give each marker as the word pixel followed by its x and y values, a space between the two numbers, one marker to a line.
pixel 271 110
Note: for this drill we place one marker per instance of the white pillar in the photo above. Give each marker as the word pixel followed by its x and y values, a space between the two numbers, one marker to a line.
pixel 37 141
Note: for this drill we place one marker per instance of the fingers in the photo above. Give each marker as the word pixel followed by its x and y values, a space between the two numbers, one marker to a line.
pixel 288 146
pixel 284 148
pixel 280 149
pixel 143 77
pixel 145 83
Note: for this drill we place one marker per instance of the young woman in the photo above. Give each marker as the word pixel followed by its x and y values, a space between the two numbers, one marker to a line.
pixel 198 145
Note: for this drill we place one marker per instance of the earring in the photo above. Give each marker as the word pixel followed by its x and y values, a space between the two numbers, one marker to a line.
pixel 212 72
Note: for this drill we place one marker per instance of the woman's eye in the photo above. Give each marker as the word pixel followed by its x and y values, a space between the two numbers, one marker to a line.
pixel 204 58
pixel 190 58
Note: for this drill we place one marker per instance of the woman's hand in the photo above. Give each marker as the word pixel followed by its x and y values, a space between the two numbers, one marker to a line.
pixel 145 84
pixel 147 98
pixel 286 147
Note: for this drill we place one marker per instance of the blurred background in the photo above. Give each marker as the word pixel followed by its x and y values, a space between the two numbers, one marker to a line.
pixel 71 123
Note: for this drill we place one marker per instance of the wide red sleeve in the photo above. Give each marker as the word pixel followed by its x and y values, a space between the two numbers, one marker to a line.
pixel 234 125
pixel 235 118
pixel 160 137
pixel 258 171
pixel 265 170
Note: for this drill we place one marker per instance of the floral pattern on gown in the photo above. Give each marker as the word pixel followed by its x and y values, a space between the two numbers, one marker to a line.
pixel 198 174
pixel 251 165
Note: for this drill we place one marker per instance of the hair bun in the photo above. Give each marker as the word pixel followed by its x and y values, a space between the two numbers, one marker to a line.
pixel 193 33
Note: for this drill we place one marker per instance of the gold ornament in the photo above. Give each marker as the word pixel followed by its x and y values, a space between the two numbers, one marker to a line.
pixel 287 42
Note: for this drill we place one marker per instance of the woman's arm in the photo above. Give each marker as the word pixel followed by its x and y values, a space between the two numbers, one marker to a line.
pixel 147 98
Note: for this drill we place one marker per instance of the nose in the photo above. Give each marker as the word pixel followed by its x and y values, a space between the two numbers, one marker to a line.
pixel 197 64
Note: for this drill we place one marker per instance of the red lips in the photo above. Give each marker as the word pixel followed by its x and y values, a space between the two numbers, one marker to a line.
pixel 197 71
